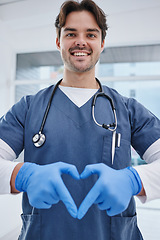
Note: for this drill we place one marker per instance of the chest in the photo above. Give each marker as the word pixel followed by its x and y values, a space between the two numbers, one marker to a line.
pixel 72 136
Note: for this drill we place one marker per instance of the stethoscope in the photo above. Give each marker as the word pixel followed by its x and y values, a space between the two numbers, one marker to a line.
pixel 39 138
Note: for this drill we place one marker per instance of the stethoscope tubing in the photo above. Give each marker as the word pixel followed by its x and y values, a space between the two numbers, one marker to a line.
pixel 48 106
pixel 112 127
pixel 39 138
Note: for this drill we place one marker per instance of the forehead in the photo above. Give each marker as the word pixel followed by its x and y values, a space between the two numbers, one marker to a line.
pixel 81 20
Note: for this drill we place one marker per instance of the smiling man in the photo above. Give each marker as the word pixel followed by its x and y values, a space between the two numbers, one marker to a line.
pixel 86 141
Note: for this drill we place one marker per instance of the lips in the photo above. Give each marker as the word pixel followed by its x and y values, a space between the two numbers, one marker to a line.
pixel 79 52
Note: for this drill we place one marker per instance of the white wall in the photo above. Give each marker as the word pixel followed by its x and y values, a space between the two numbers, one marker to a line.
pixel 10 206
pixel 134 28
pixel 6 68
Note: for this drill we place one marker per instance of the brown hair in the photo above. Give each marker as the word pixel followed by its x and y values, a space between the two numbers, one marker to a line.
pixel 88 5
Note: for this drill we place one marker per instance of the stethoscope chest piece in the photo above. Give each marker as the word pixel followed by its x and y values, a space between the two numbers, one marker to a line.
pixel 38 139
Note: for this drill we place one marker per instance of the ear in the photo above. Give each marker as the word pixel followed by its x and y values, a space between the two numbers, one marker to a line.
pixel 102 45
pixel 57 43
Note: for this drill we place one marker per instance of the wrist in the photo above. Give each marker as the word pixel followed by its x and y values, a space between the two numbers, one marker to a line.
pixel 23 175
pixel 137 183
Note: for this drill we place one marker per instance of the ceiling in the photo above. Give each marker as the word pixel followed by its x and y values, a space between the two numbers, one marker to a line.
pixel 6 2
pixel 23 14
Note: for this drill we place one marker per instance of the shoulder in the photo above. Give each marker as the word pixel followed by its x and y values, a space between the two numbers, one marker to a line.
pixel 17 113
pixel 13 122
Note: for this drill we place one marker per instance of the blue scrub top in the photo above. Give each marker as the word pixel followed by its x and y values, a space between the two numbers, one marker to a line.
pixel 73 137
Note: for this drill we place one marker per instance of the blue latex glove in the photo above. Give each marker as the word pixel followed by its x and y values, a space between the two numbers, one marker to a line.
pixel 44 185
pixel 113 189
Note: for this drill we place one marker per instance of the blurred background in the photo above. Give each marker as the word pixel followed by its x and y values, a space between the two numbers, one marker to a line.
pixel 130 63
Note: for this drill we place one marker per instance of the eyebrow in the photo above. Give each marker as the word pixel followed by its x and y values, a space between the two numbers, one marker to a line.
pixel 74 30
pixel 92 30
pixel 70 29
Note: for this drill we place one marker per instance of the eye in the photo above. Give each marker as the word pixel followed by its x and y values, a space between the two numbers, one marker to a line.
pixel 70 35
pixel 91 35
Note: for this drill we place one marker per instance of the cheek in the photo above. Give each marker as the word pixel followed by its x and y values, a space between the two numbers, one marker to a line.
pixel 64 44
pixel 96 46
pixel 65 55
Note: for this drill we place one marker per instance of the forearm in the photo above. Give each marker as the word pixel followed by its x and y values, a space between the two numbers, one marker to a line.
pixel 7 165
pixel 6 169
pixel 149 174
pixel 13 177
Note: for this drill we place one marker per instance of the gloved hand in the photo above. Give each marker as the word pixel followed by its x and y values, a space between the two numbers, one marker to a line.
pixel 113 189
pixel 44 185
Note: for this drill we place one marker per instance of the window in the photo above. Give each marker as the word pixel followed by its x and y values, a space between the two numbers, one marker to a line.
pixel 35 71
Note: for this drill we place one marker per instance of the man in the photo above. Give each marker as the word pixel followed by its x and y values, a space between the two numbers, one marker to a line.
pixel 94 197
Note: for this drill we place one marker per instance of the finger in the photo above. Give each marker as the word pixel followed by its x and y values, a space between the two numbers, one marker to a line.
pixel 103 205
pixel 88 201
pixel 90 169
pixel 39 204
pixel 112 212
pixel 51 197
pixel 66 198
pixel 70 169
pixel 43 205
pixel 43 200
pixel 99 199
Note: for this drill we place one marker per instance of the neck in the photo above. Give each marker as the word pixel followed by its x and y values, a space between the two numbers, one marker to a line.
pixel 79 80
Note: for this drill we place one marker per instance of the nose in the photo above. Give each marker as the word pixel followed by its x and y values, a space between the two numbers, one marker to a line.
pixel 80 42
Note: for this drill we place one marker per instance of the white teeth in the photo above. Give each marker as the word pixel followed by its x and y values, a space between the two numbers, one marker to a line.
pixel 80 54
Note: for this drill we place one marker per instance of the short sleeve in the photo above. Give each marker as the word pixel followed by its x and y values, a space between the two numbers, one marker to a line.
pixel 12 125
pixel 145 126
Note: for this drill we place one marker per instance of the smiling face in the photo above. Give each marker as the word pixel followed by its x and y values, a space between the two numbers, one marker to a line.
pixel 80 43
